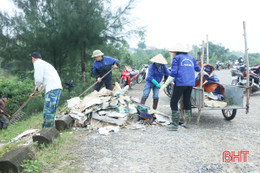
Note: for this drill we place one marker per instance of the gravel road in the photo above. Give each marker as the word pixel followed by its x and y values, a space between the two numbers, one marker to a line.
pixel 198 149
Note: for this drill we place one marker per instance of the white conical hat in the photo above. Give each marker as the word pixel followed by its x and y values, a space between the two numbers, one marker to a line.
pixel 179 48
pixel 159 59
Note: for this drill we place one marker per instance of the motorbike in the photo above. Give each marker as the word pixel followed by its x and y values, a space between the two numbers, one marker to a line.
pixel 128 77
pixel 219 65
pixel 228 65
pixel 254 78
pixel 143 73
pixel 239 75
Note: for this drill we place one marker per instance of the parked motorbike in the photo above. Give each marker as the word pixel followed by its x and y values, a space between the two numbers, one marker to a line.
pixel 254 78
pixel 219 65
pixel 128 77
pixel 143 73
pixel 239 75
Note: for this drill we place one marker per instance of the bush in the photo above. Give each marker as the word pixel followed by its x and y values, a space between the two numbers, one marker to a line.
pixel 18 92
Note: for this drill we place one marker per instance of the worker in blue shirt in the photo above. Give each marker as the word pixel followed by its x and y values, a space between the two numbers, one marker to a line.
pixel 183 69
pixel 155 74
pixel 102 65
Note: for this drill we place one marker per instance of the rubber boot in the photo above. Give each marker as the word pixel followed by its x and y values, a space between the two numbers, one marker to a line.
pixel 143 100
pixel 187 118
pixel 155 103
pixel 175 121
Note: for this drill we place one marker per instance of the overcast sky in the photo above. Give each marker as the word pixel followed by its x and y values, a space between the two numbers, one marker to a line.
pixel 189 21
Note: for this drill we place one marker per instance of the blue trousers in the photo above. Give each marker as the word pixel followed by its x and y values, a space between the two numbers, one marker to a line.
pixel 147 90
pixel 50 105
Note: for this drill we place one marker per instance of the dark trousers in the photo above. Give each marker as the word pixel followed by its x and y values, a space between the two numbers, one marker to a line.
pixel 107 82
pixel 4 122
pixel 179 91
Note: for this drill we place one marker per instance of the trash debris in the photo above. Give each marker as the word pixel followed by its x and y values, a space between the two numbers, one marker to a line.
pixel 106 130
pixel 112 107
pixel 25 136
pixel 136 126
pixel 73 101
pixel 214 103
pixel 106 108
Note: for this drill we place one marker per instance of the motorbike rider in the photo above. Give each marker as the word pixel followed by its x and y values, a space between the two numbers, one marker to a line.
pixel 155 74
pixel 183 71
pixel 229 64
pixel 102 65
pixel 240 60
pixel 217 66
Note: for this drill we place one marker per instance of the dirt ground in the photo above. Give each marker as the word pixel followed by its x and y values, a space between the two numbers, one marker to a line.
pixel 198 149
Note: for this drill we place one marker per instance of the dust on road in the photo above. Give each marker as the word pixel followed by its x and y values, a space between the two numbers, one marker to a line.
pixel 198 149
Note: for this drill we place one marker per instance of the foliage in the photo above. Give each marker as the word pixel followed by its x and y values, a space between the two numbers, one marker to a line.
pixel 218 52
pixel 18 92
pixel 65 32
pixel 31 166
pixel 143 56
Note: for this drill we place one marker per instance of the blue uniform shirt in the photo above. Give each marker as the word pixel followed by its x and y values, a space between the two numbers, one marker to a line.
pixel 183 69
pixel 153 73
pixel 102 67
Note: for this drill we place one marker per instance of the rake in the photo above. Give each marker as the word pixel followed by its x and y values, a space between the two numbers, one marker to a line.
pixel 19 114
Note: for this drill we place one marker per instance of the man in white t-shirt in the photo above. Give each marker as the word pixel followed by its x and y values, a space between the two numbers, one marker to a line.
pixel 46 78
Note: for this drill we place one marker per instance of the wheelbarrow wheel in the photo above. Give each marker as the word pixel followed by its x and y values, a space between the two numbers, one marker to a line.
pixel 229 114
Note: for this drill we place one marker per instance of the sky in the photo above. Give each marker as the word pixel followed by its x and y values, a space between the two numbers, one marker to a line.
pixel 169 22
pixel 189 21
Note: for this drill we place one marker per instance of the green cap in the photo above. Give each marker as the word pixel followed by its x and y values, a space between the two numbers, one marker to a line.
pixel 97 53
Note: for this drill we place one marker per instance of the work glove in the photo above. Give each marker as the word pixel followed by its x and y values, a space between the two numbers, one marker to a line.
pixel 167 82
pixel 156 83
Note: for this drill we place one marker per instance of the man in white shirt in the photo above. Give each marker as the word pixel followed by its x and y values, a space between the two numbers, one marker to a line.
pixel 46 77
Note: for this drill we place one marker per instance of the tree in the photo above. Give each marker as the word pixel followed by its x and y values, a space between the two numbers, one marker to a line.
pixel 65 32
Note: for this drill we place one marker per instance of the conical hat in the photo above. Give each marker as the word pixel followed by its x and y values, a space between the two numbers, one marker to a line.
pixel 159 59
pixel 179 48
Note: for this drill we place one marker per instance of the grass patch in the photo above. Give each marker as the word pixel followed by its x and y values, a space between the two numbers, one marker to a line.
pixel 34 122
pixel 56 157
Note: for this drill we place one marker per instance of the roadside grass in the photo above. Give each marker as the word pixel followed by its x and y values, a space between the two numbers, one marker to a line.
pixel 57 156
pixel 34 122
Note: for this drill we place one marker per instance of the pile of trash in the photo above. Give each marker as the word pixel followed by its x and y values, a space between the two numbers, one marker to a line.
pixel 108 108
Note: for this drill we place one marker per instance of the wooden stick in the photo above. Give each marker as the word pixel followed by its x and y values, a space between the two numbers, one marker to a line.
pixel 201 80
pixel 89 88
pixel 19 110
pixel 247 69
pixel 207 50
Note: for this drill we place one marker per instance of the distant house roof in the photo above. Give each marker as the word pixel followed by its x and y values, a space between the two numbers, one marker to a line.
pixel 151 47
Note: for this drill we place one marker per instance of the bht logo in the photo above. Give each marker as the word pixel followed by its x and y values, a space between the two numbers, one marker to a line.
pixel 231 156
